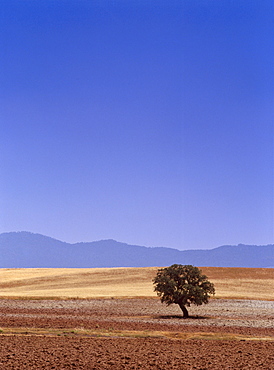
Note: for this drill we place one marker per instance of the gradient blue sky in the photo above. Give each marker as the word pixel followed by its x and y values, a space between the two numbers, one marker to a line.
pixel 148 122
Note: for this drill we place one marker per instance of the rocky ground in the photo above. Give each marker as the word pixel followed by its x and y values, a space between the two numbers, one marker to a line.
pixel 135 334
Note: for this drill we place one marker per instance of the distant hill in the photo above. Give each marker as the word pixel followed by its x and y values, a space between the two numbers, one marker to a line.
pixel 25 249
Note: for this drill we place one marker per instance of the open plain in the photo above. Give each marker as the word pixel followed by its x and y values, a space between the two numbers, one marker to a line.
pixel 111 319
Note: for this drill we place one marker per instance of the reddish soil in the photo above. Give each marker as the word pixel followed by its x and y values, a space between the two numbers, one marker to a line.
pixel 21 352
pixel 77 349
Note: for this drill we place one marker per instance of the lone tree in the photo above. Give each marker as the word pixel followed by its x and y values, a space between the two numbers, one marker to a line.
pixel 183 285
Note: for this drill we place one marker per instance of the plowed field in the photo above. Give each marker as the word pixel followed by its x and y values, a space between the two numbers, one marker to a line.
pixel 135 334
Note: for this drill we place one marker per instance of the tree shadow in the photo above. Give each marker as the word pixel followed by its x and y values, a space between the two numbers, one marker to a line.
pixel 180 317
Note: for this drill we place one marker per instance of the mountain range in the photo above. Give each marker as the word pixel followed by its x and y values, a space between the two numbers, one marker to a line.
pixel 25 250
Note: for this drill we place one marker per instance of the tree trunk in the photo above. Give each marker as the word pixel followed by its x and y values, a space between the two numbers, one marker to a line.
pixel 185 311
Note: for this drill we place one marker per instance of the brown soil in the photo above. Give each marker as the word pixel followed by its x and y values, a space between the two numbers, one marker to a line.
pixel 135 334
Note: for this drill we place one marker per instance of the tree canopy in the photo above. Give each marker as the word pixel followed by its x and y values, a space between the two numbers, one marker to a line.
pixel 183 285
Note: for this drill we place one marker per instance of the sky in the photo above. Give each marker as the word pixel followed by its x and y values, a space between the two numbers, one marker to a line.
pixel 147 122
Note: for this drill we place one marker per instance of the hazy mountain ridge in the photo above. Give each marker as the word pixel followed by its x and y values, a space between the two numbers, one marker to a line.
pixel 25 249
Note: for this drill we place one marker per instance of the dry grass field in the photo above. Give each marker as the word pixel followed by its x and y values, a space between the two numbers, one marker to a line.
pixel 240 283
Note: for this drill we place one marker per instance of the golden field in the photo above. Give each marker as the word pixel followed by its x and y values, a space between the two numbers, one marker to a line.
pixel 247 283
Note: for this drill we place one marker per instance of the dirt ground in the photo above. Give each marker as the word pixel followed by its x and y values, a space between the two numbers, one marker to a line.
pixel 135 334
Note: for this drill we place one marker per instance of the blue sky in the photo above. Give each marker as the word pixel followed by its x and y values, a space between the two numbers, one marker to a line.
pixel 148 122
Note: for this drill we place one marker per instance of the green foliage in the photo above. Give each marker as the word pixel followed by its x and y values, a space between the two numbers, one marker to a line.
pixel 183 285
